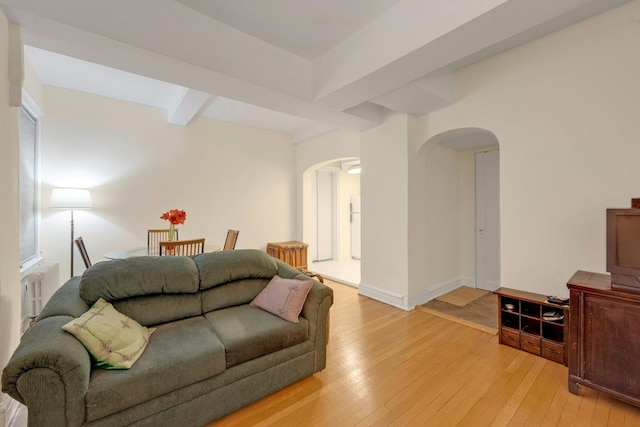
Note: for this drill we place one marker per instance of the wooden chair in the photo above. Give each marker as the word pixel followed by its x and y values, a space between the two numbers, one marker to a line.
pixel 182 247
pixel 155 236
pixel 230 242
pixel 83 252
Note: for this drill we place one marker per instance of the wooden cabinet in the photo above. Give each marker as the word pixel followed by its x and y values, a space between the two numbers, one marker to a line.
pixel 292 252
pixel 604 349
pixel 528 325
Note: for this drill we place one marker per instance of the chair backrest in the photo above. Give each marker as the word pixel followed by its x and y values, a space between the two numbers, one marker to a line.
pixel 230 242
pixel 182 247
pixel 155 236
pixel 83 252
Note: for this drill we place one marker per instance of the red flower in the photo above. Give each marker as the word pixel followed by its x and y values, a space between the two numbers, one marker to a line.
pixel 175 216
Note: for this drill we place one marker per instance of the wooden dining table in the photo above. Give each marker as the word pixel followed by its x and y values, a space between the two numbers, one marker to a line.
pixel 147 251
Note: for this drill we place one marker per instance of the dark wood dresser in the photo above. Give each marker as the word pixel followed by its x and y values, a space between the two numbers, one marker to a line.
pixel 604 350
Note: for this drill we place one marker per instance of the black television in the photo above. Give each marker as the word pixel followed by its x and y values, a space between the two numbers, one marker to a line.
pixel 623 249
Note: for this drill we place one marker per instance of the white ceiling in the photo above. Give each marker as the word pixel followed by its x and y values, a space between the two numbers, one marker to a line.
pixel 307 28
pixel 302 67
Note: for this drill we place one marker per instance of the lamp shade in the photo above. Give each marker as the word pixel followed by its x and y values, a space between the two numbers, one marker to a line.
pixel 70 198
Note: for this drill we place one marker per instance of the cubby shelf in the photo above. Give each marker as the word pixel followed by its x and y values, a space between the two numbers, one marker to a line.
pixel 525 327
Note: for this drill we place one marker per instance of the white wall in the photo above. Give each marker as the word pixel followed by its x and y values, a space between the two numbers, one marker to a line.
pixel 441 261
pixel 10 299
pixel 33 85
pixel 565 111
pixel 434 219
pixel 384 192
pixel 138 166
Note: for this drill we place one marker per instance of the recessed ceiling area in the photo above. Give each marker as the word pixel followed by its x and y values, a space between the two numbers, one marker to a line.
pixel 307 28
pixel 301 67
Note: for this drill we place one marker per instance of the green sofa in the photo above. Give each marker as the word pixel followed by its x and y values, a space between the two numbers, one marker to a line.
pixel 211 352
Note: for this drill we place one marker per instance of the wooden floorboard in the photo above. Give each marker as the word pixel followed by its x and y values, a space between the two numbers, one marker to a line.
pixel 389 367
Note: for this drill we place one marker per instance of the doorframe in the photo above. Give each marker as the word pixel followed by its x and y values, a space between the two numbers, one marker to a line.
pixel 476 225
pixel 335 226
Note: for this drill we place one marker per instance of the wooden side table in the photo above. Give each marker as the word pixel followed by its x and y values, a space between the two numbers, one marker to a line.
pixel 293 253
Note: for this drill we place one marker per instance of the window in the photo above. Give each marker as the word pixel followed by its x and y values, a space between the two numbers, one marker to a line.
pixel 29 188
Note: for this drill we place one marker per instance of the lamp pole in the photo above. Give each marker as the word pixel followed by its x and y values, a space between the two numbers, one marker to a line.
pixel 72 236
pixel 71 198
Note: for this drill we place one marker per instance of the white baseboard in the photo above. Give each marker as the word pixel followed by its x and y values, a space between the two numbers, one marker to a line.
pixel 469 282
pixel 441 289
pixel 409 303
pixel 384 296
pixel 492 284
pixel 435 291
pixel 8 410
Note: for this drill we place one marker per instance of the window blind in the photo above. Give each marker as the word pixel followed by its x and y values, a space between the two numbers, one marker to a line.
pixel 28 187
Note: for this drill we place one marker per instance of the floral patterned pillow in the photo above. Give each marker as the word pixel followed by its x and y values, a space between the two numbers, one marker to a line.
pixel 115 340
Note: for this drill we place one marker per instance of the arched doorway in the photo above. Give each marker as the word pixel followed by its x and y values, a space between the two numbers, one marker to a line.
pixel 478 160
pixel 331 192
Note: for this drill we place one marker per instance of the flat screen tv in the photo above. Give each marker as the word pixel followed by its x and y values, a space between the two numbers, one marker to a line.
pixel 623 249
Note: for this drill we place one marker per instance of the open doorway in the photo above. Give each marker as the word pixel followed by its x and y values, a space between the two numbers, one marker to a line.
pixel 479 210
pixel 331 221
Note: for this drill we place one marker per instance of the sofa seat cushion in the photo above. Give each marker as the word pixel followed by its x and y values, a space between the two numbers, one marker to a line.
pixel 179 353
pixel 249 332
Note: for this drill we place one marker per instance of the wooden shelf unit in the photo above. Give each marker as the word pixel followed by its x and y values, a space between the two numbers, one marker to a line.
pixel 525 328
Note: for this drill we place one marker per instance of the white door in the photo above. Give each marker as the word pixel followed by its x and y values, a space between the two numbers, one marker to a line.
pixel 324 206
pixel 488 220
pixel 355 227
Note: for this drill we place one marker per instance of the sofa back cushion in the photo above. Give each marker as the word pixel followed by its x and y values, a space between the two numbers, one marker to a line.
pixel 133 277
pixel 150 290
pixel 153 310
pixel 218 268
pixel 231 294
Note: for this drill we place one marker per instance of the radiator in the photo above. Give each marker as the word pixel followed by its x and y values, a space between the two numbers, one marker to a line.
pixel 40 284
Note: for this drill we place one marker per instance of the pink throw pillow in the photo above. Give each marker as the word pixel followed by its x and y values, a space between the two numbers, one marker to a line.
pixel 283 297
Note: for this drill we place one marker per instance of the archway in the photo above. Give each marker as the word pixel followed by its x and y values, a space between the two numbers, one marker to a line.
pixel 446 216
pixel 329 225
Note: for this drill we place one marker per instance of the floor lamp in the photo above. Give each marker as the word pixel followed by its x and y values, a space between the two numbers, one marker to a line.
pixel 70 198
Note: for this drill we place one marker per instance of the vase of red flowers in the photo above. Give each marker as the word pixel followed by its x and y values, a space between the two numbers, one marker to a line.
pixel 174 216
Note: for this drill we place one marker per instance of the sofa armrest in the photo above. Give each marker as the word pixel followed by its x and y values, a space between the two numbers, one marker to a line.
pixel 49 372
pixel 316 311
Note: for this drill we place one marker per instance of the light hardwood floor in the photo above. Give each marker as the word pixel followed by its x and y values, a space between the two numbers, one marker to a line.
pixel 388 367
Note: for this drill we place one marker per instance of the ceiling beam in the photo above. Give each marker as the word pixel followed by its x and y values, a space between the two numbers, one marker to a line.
pixel 66 40
pixel 416 38
pixel 185 108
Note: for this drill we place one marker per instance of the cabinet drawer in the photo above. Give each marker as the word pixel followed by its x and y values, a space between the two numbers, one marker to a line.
pixel 511 338
pixel 553 351
pixel 530 343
